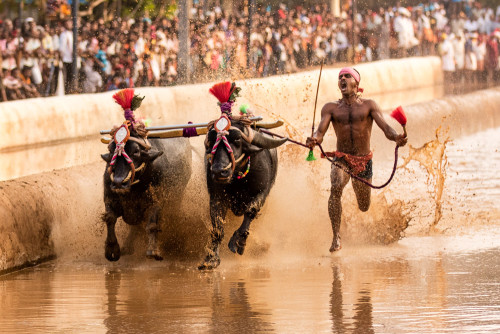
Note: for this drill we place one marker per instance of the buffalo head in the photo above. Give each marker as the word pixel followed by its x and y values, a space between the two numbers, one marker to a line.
pixel 228 150
pixel 127 168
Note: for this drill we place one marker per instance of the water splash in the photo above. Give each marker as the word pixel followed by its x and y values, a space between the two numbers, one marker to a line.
pixel 432 157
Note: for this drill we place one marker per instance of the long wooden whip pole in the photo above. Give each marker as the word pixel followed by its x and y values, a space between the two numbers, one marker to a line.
pixel 310 156
pixel 316 99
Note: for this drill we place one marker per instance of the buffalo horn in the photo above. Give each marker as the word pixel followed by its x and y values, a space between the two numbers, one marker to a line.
pixel 267 142
pixel 144 142
pixel 129 176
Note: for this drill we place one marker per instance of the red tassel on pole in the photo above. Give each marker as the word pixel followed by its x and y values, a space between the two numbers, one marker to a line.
pixel 222 91
pixel 399 115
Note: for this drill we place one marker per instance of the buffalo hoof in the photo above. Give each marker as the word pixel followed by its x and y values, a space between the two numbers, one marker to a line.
pixel 238 242
pixel 154 255
pixel 336 246
pixel 210 262
pixel 112 251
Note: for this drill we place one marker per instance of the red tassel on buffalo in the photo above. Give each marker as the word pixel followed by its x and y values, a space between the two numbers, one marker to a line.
pixel 222 91
pixel 124 98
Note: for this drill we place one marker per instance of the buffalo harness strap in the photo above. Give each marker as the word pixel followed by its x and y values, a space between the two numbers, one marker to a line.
pixel 120 151
pixel 221 137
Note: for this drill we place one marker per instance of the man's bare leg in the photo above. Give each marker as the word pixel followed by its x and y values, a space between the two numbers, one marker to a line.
pixel 363 194
pixel 339 180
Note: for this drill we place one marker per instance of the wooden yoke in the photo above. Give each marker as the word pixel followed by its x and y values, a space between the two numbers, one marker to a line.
pixel 175 133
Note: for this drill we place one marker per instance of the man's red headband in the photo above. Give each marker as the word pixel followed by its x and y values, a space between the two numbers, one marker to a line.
pixel 352 72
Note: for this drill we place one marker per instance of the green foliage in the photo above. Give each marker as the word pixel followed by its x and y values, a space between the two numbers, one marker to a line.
pixel 136 102
pixel 236 92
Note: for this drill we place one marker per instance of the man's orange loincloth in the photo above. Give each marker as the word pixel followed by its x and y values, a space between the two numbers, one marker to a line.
pixel 357 164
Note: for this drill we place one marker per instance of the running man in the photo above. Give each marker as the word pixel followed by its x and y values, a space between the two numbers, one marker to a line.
pixel 352 119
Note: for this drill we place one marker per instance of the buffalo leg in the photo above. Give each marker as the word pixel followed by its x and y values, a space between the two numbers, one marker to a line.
pixel 128 244
pixel 111 246
pixel 152 229
pixel 217 216
pixel 238 241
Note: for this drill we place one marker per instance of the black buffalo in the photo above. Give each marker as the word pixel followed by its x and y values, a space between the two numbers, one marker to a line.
pixel 240 182
pixel 162 171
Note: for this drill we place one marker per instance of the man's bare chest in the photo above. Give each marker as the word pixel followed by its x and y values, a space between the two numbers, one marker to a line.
pixel 350 114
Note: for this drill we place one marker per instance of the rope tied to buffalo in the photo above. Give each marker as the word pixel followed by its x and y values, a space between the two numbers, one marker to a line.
pixel 343 167
pixel 120 151
pixel 221 136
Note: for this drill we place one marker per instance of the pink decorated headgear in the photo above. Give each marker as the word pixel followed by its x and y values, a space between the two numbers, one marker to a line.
pixel 355 74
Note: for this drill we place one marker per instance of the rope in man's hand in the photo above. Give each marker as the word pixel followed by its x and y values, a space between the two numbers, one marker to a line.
pixel 398 114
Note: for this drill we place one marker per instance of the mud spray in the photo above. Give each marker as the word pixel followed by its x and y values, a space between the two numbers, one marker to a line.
pixel 432 158
pixel 295 221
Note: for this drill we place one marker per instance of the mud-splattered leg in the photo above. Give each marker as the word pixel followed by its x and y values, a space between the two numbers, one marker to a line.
pixel 217 215
pixel 111 246
pixel 152 229
pixel 239 239
pixel 363 194
pixel 339 180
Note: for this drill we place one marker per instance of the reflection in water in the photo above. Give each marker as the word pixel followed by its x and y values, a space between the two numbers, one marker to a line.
pixel 363 318
pixel 336 303
pixel 420 285
pixel 232 311
pixel 112 283
pixel 363 308
pixel 177 301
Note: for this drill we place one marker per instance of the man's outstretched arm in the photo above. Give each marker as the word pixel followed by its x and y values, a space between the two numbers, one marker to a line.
pixel 326 117
pixel 389 132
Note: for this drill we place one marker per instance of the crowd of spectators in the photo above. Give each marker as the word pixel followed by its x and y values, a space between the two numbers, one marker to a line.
pixel 37 60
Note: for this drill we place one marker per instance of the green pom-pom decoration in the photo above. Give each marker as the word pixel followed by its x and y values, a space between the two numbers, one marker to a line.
pixel 244 108
pixel 310 156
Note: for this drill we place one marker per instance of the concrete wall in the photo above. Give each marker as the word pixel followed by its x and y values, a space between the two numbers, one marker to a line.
pixel 41 120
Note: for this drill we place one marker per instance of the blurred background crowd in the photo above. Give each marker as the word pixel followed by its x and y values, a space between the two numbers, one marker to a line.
pixel 120 51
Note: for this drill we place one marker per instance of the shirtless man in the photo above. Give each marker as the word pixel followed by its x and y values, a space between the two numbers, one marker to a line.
pixel 352 119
